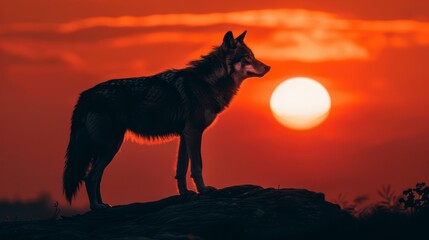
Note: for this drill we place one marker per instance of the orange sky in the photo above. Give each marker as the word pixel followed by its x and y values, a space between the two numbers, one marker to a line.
pixel 371 56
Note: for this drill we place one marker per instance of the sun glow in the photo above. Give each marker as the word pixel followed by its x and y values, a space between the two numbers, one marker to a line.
pixel 300 103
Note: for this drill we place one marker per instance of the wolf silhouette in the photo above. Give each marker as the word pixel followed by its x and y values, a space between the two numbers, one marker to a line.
pixel 177 102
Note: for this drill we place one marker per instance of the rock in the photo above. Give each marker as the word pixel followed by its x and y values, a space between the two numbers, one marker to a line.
pixel 238 212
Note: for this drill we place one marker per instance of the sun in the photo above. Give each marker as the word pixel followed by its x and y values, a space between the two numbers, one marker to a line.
pixel 300 103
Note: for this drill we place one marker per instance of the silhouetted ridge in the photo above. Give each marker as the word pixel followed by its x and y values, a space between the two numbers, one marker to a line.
pixel 239 212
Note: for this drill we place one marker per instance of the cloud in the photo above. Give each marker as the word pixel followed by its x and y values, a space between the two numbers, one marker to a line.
pixel 39 52
pixel 269 18
pixel 289 18
pixel 289 34
pixel 309 47
pixel 160 37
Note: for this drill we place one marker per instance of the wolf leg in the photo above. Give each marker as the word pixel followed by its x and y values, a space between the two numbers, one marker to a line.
pixel 99 198
pixel 182 169
pixel 91 183
pixel 106 138
pixel 193 146
pixel 98 171
pixel 109 152
pixel 93 180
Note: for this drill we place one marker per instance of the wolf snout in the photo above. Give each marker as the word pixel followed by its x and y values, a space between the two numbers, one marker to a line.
pixel 263 69
pixel 267 68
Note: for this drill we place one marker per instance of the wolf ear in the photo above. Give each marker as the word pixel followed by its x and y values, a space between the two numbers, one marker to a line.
pixel 241 37
pixel 229 41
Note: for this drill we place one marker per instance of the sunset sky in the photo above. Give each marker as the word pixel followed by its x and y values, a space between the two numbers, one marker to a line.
pixel 372 57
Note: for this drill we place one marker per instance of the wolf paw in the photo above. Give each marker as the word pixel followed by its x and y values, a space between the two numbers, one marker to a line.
pixel 188 195
pixel 207 189
pixel 98 206
pixel 106 205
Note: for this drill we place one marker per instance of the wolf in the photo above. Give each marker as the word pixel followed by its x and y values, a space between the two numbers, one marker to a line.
pixel 177 102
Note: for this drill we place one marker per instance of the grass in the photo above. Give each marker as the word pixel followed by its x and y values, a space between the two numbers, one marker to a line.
pixel 394 217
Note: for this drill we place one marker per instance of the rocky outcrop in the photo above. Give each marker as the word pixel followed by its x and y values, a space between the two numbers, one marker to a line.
pixel 238 212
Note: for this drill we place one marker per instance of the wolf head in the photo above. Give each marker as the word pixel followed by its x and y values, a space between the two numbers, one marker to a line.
pixel 240 59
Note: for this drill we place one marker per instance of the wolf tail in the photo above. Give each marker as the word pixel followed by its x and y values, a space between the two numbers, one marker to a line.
pixel 78 156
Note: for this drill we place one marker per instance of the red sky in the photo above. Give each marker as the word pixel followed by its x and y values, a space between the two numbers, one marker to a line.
pixel 371 56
